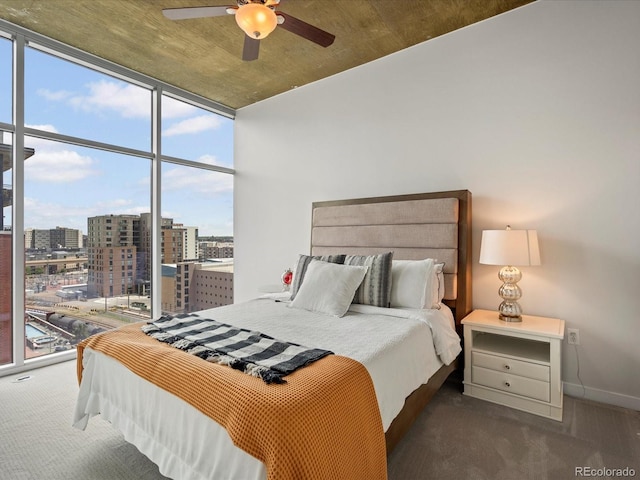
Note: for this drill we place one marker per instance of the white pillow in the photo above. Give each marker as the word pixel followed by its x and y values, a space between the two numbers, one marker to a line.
pixel 439 268
pixel 416 283
pixel 328 287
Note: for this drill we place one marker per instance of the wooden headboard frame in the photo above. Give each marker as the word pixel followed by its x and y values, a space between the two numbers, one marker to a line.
pixel 415 226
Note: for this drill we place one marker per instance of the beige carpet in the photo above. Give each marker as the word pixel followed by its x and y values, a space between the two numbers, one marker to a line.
pixel 39 443
pixel 456 437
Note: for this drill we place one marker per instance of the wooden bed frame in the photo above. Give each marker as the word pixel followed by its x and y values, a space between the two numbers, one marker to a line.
pixel 416 226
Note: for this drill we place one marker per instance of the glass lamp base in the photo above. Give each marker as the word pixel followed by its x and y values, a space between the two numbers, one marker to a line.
pixel 510 311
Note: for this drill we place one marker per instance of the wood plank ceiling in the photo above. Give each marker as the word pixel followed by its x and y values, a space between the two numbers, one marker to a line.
pixel 203 56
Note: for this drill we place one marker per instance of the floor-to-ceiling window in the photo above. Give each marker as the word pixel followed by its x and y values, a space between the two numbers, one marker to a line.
pixel 198 244
pixel 106 203
pixel 76 286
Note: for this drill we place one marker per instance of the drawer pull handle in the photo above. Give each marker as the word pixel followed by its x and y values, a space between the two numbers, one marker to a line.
pixel 507 367
pixel 507 384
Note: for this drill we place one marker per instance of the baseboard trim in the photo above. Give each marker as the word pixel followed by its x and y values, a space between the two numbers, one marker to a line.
pixel 602 396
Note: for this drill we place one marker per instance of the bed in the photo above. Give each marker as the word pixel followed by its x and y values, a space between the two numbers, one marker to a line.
pixel 189 442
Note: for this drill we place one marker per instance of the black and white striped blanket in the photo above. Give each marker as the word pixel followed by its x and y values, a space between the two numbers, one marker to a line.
pixel 251 352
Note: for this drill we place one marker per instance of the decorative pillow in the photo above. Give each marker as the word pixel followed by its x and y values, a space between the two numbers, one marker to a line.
pixel 417 283
pixel 328 287
pixel 301 268
pixel 376 286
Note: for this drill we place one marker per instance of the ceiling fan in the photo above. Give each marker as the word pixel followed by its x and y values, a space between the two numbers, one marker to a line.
pixel 257 18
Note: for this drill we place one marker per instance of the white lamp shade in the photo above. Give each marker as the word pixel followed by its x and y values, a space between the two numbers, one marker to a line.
pixel 256 20
pixel 509 247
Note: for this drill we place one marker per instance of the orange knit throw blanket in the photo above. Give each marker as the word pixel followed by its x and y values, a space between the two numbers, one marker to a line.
pixel 324 423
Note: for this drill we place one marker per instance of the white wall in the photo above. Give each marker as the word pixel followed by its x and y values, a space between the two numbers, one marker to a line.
pixel 536 112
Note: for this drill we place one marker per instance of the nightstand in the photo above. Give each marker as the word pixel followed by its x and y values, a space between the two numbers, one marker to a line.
pixel 516 364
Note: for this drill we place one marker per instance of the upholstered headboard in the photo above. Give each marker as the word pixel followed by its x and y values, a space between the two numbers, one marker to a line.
pixel 417 226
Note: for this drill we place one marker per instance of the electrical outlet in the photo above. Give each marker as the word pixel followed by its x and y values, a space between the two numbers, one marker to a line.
pixel 573 336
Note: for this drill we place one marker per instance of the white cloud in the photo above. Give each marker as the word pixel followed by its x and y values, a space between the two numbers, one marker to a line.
pixel 59 166
pixel 193 125
pixel 48 215
pixel 54 96
pixel 118 206
pixel 223 227
pixel 196 180
pixel 172 108
pixel 39 214
pixel 112 204
pixel 129 100
pixel 132 101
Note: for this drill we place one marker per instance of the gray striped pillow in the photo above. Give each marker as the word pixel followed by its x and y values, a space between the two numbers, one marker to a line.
pixel 375 289
pixel 301 268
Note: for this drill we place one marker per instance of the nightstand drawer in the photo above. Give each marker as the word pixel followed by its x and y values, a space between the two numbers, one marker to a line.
pixel 511 383
pixel 509 365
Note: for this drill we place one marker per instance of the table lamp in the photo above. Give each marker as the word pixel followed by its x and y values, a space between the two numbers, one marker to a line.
pixel 511 248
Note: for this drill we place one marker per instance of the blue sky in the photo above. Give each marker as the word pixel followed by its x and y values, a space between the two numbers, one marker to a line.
pixel 66 184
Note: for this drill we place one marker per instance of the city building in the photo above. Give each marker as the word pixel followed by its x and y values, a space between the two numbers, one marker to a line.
pixel 41 239
pixel 171 246
pixel 119 252
pixel 190 245
pixel 178 243
pixel 53 238
pixel 112 254
pixel 191 286
pixel 112 271
pixel 65 238
pixel 215 250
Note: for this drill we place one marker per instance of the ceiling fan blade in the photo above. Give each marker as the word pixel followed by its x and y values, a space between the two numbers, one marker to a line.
pixel 196 12
pixel 306 30
pixel 250 49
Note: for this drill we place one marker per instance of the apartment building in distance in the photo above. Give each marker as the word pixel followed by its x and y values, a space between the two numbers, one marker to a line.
pixel 119 252
pixel 190 244
pixel 177 243
pixel 60 238
pixel 211 249
pixel 191 286
pixel 112 252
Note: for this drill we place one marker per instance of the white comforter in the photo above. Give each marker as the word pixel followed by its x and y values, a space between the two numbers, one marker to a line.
pixel 400 349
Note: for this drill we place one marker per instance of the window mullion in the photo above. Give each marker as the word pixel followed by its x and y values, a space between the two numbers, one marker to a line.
pixel 17 227
pixel 156 211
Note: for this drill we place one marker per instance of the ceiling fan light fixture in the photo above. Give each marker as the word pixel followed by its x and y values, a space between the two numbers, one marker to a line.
pixel 256 20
